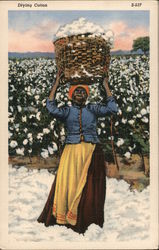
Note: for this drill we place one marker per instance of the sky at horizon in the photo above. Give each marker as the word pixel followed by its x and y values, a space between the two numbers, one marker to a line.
pixel 33 31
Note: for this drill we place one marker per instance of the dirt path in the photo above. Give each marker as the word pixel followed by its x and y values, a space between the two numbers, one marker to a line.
pixel 130 170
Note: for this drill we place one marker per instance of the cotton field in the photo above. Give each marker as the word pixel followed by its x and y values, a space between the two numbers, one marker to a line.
pixel 32 130
pixel 127 214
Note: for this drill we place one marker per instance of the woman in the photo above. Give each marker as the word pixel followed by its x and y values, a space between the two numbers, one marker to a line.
pixel 77 196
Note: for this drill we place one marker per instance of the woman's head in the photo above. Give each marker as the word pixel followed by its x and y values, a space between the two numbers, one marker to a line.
pixel 78 94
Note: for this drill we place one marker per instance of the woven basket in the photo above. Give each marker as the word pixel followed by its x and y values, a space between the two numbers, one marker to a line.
pixel 83 59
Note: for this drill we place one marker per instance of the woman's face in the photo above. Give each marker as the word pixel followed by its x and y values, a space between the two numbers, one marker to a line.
pixel 79 96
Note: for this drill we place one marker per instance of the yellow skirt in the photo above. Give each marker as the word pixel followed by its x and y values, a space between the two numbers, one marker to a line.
pixel 71 179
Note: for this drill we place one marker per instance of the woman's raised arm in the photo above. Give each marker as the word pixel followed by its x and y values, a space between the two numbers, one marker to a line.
pixel 54 87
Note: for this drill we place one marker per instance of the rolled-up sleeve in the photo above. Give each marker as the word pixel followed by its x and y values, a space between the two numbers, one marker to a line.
pixel 103 110
pixel 60 113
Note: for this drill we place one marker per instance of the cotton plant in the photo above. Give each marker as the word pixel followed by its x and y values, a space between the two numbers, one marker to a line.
pixel 28 88
pixel 30 81
pixel 133 100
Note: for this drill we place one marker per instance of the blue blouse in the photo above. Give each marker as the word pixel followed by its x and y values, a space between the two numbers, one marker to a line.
pixel 81 122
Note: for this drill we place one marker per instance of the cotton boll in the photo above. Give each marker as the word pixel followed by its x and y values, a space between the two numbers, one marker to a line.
pixel 129 109
pixel 145 119
pixel 11 119
pixel 121 90
pixel 99 131
pixel 19 108
pixel 25 142
pixel 119 112
pixel 102 125
pixel 51 151
pixel 143 112
pixel 120 142
pixel 20 151
pixel 40 136
pixel 124 121
pixel 11 109
pixel 31 116
pixel 44 102
pixel 24 118
pixel 148 109
pixel 55 134
pixel 62 133
pixel 37 97
pixel 9 135
pixel 13 144
pixel 55 148
pixel 29 135
pixel 46 131
pixel 38 116
pixel 124 100
pixel 29 94
pixel 25 130
pixel 127 155
pixel 52 124
pixel 131 122
pixel 45 153
pixel 111 137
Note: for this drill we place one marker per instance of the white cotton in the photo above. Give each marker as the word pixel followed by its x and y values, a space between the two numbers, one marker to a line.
pixel 143 111
pixel 126 213
pixel 38 116
pixel 45 153
pixel 145 119
pixel 11 119
pixel 13 144
pixel 39 136
pixel 29 135
pixel 83 26
pixel 120 142
pixel 139 115
pixel 24 118
pixel 62 132
pixel 75 75
pixel 131 122
pixel 99 131
pixel 50 149
pixel 127 155
pixel 31 116
pixel 119 111
pixel 37 97
pixel 52 124
pixel 55 148
pixel 19 108
pixel 103 125
pixel 9 134
pixel 46 131
pixel 129 109
pixel 20 151
pixel 124 121
pixel 25 142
